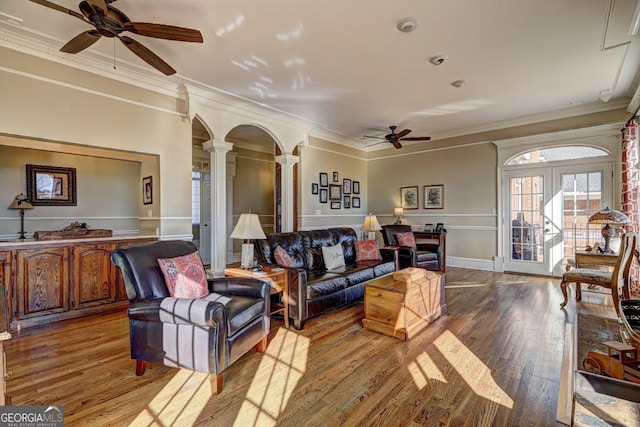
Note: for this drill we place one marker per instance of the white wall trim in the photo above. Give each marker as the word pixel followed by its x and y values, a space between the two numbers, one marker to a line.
pixel 472 263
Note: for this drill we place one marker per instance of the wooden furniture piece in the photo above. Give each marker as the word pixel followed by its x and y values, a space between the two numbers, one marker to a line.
pixel 4 335
pixel 607 279
pixel 402 304
pixel 584 259
pixel 53 280
pixel 277 277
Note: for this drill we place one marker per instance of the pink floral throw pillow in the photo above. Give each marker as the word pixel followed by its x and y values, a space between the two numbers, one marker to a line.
pixel 282 257
pixel 406 239
pixel 367 250
pixel 185 276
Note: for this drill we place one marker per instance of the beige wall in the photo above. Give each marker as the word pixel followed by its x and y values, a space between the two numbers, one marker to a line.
pixel 468 175
pixel 45 101
pixel 108 193
pixel 323 156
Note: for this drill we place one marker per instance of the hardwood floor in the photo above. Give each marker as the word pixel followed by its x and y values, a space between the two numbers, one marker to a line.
pixel 494 360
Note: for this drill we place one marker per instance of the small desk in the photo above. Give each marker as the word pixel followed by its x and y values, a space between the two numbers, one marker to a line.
pixel 279 284
pixel 587 259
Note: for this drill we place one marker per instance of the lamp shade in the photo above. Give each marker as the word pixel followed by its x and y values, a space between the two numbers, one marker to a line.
pixel 248 227
pixel 398 211
pixel 371 223
pixel 21 202
pixel 609 216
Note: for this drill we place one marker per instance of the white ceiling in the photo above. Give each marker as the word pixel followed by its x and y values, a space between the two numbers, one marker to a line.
pixel 343 64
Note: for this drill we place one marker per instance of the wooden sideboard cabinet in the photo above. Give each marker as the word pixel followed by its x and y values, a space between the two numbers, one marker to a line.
pixel 94 277
pixel 42 281
pixel 50 281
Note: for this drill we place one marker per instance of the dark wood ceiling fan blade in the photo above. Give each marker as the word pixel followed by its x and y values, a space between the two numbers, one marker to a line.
pixel 397 144
pixel 403 133
pixel 375 137
pixel 58 8
pixel 81 42
pixel 161 31
pixel 147 56
pixel 417 138
pixel 98 4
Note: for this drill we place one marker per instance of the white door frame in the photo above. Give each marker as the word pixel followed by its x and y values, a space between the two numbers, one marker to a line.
pixel 607 137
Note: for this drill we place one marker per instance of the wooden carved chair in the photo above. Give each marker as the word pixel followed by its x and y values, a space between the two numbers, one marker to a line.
pixel 616 280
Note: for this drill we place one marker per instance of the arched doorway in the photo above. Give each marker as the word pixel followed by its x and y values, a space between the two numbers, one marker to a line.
pixel 548 204
pixel 548 189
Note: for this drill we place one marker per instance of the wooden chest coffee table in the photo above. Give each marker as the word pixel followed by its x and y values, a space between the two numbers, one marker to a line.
pixel 402 304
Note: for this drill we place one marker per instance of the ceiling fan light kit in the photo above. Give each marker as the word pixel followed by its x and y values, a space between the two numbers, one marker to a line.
pixel 110 22
pixel 407 25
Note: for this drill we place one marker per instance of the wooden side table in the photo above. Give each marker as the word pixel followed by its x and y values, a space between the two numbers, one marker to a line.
pixel 279 284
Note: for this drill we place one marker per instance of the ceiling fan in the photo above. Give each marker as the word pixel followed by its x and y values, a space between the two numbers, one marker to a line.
pixel 395 138
pixel 110 22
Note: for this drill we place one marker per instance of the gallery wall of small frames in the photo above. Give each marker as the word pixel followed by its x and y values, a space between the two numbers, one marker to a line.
pixel 338 194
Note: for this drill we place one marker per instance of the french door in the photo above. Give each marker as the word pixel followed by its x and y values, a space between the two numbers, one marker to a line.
pixel 546 211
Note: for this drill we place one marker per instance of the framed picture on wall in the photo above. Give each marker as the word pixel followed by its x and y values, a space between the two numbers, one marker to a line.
pixel 324 179
pixel 51 185
pixel 346 202
pixel 409 197
pixel 346 186
pixel 314 188
pixel 356 187
pixel 147 190
pixel 355 202
pixel 434 196
pixel 335 177
pixel 324 195
pixel 335 205
pixel 335 192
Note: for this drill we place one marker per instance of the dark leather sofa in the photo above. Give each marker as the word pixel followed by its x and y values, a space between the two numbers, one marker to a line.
pixel 312 288
pixel 206 334
pixel 429 256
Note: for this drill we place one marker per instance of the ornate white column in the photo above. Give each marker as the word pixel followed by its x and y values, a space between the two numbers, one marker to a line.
pixel 218 156
pixel 287 161
pixel 231 174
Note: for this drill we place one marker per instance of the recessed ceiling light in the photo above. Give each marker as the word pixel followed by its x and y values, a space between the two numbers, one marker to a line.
pixel 438 60
pixel 407 25
pixel 459 83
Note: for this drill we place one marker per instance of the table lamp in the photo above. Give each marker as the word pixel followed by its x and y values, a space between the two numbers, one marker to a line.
pixel 608 217
pixel 398 212
pixel 21 202
pixel 247 228
pixel 371 225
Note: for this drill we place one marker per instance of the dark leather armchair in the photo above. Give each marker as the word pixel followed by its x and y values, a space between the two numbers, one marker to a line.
pixel 206 334
pixel 430 256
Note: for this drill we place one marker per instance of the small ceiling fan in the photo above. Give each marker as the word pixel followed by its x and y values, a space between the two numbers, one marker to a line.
pixel 110 22
pixel 395 138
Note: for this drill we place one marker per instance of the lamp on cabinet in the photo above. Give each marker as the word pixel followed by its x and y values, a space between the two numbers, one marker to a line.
pixel 398 213
pixel 247 228
pixel 20 202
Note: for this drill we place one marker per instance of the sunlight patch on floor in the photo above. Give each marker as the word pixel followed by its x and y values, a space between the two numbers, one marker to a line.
pixel 470 368
pixel 465 285
pixel 423 370
pixel 179 402
pixel 280 369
